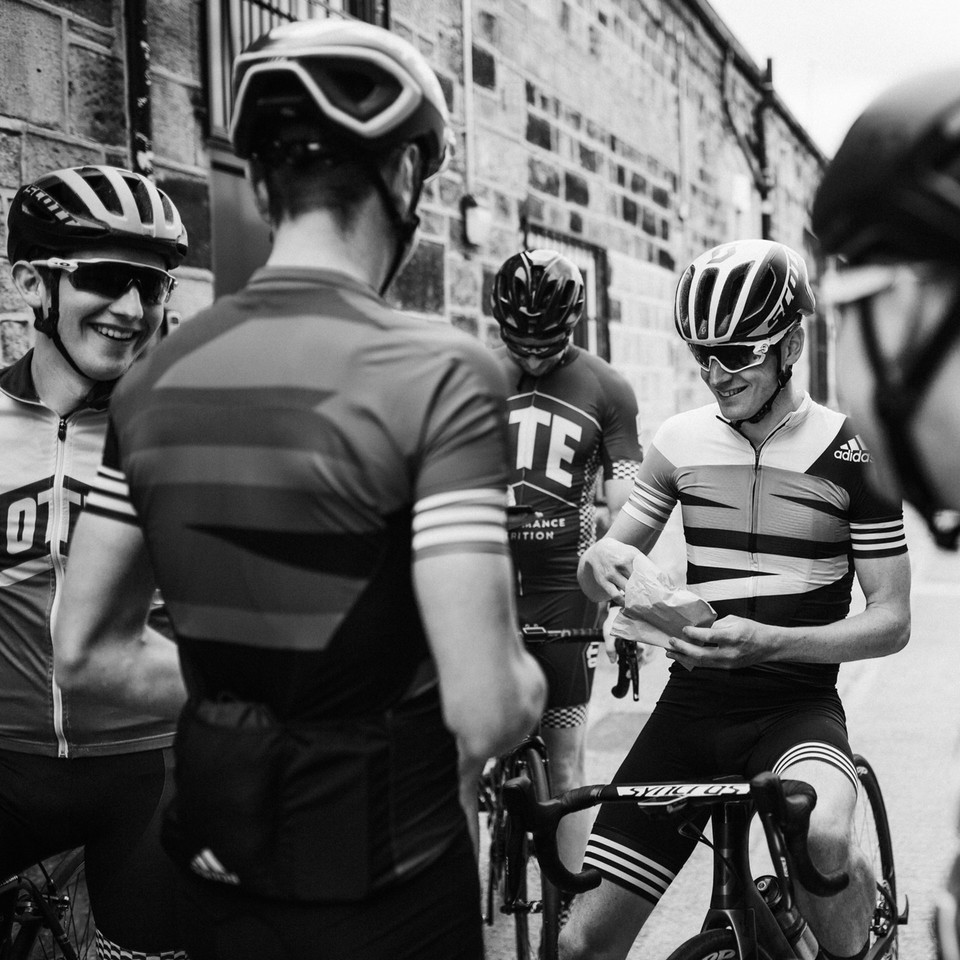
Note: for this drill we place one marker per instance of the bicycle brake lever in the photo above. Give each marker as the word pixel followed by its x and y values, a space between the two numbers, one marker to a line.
pixel 541 819
pixel 785 809
pixel 628 669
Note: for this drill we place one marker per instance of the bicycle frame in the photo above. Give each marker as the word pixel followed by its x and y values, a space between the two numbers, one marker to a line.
pixel 735 901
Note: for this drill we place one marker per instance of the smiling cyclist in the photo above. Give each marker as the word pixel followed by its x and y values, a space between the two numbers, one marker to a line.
pixel 90 250
pixel 777 519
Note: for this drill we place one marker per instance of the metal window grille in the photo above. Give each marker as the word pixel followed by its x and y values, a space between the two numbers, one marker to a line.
pixel 233 24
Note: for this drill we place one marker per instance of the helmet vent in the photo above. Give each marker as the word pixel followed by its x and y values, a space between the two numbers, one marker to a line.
pixel 701 305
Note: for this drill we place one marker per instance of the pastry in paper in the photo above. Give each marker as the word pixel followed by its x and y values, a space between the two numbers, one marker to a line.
pixel 655 610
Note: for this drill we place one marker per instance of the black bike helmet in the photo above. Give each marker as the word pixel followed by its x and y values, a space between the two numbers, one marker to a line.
pixel 70 209
pixel 893 188
pixel 537 300
pixel 742 292
pixel 892 193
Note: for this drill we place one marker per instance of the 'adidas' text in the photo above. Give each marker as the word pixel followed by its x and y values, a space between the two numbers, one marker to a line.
pixel 853 450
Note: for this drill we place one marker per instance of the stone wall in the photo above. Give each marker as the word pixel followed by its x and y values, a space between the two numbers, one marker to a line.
pixel 625 129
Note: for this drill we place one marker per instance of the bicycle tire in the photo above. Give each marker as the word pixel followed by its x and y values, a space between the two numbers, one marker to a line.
pixel 521 875
pixel 34 940
pixel 872 832
pixel 712 945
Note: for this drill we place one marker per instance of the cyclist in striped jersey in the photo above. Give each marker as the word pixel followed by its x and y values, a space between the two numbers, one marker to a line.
pixel 777 518
pixel 318 483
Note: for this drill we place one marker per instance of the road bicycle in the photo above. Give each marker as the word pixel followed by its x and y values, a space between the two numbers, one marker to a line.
pixel 515 885
pixel 45 913
pixel 748 919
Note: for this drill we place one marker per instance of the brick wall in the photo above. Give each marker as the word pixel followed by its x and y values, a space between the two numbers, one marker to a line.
pixel 625 126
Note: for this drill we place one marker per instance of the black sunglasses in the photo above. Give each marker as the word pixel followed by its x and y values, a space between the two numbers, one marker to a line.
pixel 113 278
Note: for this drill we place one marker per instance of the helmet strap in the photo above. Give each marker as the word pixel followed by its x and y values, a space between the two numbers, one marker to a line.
pixel 897 395
pixel 50 325
pixel 783 376
pixel 404 224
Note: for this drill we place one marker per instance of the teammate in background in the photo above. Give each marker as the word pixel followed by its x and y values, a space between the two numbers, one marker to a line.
pixel 572 418
pixel 776 521
pixel 318 483
pixel 90 249
pixel 889 205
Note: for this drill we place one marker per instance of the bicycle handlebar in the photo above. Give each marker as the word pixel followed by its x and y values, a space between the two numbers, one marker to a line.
pixel 784 807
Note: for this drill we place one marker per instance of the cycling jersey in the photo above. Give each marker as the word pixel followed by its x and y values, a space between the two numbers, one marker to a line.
pixel 566 427
pixel 771 532
pixel 287 454
pixel 46 470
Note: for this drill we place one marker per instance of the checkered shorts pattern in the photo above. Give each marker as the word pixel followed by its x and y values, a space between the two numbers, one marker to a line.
pixel 107 950
pixel 562 717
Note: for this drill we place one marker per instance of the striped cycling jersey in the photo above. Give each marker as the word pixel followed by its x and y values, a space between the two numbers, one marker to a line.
pixel 568 427
pixel 771 533
pixel 288 454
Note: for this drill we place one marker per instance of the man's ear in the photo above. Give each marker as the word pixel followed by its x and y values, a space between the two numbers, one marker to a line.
pixel 407 174
pixel 794 345
pixel 260 196
pixel 30 284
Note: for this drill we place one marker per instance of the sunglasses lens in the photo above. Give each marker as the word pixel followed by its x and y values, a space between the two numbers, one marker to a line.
pixel 112 280
pixel 535 348
pixel 733 357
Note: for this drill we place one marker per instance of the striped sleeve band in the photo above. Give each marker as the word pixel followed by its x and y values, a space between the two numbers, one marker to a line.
pixel 461 521
pixel 110 496
pixel 648 505
pixel 880 538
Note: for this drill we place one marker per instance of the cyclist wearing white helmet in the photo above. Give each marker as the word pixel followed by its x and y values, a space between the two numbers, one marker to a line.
pixel 572 420
pixel 777 518
pixel 90 250
pixel 317 483
pixel 889 205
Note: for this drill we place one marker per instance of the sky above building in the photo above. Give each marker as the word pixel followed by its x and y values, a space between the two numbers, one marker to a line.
pixel 832 57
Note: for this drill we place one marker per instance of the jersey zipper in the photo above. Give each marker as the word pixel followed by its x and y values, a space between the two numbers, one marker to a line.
pixel 59 569
pixel 755 497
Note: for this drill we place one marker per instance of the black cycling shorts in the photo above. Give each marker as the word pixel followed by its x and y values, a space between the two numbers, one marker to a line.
pixel 434 915
pixel 569 667
pixel 111 806
pixel 696 734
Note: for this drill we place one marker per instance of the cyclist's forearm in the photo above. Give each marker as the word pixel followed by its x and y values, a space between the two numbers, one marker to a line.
pixel 139 670
pixel 876 632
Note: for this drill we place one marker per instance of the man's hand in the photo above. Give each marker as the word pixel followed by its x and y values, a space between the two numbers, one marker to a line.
pixel 605 569
pixel 732 642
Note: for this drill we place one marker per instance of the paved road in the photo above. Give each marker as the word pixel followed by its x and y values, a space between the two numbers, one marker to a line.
pixel 903 714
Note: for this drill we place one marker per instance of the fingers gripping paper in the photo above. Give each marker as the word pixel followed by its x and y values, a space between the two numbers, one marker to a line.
pixel 655 610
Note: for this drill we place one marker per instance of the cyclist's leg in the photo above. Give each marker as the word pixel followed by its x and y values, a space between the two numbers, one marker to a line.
pixel 130 878
pixel 35 818
pixel 810 743
pixel 431 916
pixel 569 668
pixel 637 856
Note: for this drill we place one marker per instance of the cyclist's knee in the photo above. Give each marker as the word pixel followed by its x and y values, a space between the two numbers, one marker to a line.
pixel 831 845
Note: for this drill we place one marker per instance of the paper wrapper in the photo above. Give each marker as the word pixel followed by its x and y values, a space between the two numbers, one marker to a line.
pixel 655 610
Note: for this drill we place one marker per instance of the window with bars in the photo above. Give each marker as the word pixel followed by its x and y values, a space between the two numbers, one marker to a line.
pixel 233 24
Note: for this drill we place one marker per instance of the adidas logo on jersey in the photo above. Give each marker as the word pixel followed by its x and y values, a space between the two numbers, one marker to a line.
pixel 210 868
pixel 853 450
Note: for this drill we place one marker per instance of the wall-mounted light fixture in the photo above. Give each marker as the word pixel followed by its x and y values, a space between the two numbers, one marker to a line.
pixel 477 220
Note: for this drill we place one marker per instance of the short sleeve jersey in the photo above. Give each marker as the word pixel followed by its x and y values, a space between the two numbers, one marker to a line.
pixel 771 532
pixel 287 453
pixel 567 428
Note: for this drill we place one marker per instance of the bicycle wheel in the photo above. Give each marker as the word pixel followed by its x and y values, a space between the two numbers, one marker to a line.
pixel 65 896
pixel 872 832
pixel 711 945
pixel 536 921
